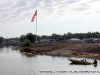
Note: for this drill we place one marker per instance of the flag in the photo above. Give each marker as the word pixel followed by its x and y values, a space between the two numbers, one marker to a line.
pixel 33 18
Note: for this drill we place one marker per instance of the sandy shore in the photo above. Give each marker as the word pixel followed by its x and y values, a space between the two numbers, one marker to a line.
pixel 66 48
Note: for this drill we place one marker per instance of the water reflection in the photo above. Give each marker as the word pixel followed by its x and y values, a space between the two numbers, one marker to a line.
pixel 28 54
pixel 95 65
pixel 13 62
pixel 1 46
pixel 72 64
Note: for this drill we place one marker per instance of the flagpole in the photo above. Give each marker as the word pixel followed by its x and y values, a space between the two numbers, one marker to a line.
pixel 36 27
pixel 32 20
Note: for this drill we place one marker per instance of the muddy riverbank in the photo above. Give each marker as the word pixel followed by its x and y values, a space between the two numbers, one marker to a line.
pixel 65 48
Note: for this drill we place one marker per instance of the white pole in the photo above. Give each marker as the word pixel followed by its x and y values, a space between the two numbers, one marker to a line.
pixel 36 27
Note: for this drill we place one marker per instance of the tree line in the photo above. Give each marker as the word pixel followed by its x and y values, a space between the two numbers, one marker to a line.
pixel 66 36
pixel 32 37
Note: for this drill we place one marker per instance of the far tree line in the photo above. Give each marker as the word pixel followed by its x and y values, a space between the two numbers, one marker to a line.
pixel 32 37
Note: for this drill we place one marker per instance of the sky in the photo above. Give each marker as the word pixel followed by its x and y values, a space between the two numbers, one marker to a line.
pixel 53 16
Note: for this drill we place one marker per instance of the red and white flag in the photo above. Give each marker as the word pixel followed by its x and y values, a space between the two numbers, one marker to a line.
pixel 33 18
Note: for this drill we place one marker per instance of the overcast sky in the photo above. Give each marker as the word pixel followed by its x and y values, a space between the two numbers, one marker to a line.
pixel 53 16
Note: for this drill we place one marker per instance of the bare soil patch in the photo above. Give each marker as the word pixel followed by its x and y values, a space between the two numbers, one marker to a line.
pixel 66 48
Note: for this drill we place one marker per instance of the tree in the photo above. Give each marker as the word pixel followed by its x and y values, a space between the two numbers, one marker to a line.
pixel 14 39
pixel 44 37
pixel 69 35
pixel 57 36
pixel 27 42
pixel 64 36
pixel 22 38
pixel 30 37
pixel 1 39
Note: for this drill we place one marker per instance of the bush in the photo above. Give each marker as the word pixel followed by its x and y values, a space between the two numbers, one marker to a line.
pixel 27 42
pixel 1 39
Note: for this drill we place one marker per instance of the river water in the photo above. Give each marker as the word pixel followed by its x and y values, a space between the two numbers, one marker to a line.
pixel 12 62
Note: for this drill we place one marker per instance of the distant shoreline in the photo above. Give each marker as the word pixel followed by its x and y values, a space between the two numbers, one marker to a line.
pixel 12 44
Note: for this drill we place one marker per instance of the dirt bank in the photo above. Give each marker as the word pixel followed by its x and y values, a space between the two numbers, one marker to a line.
pixel 65 48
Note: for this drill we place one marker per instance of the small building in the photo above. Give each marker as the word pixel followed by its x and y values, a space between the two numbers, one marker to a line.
pixel 74 39
pixel 91 40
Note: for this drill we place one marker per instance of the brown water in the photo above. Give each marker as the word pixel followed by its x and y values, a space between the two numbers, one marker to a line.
pixel 12 62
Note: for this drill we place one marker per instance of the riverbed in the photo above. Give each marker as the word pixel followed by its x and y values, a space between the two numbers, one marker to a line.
pixel 12 62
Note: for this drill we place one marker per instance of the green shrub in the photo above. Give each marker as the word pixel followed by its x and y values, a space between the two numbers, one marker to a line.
pixel 27 42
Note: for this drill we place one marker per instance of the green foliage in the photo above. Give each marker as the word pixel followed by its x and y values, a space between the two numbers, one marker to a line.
pixel 44 37
pixel 66 36
pixel 22 38
pixel 30 37
pixel 14 39
pixel 1 39
pixel 27 42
